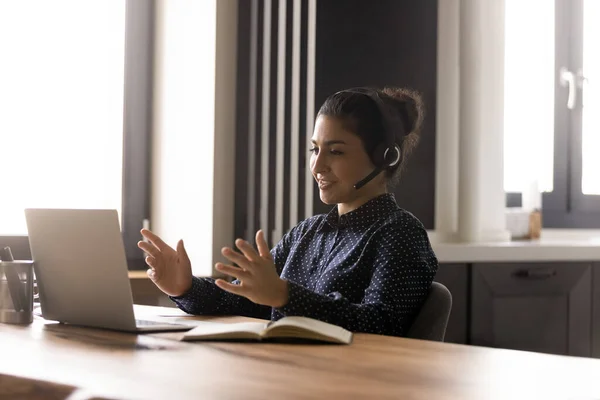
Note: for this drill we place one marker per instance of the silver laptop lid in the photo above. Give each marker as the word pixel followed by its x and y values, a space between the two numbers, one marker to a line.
pixel 81 268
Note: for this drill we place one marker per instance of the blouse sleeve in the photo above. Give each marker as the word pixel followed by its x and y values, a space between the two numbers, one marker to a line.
pixel 206 298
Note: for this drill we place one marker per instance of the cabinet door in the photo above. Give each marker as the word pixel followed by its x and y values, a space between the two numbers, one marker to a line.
pixel 596 311
pixel 146 293
pixel 544 307
pixel 454 277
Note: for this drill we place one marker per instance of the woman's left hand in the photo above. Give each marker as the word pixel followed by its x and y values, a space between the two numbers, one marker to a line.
pixel 257 273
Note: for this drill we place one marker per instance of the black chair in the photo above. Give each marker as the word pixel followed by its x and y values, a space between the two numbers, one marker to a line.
pixel 432 319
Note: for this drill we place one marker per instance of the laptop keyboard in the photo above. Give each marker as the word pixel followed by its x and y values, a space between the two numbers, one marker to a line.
pixel 145 322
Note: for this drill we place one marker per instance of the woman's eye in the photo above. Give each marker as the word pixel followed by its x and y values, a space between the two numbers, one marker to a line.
pixel 315 150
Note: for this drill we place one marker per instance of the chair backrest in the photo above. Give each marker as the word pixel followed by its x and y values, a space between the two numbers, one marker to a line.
pixel 432 319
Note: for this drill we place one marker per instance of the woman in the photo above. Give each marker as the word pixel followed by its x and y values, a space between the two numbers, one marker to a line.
pixel 367 265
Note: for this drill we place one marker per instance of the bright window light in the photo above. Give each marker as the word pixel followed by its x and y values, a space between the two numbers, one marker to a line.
pixel 529 95
pixel 61 106
pixel 590 181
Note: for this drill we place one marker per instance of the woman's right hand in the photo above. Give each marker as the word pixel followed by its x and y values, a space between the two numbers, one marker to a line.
pixel 170 269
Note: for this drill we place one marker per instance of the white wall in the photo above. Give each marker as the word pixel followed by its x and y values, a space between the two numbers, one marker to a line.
pixel 225 128
pixel 447 94
pixel 470 106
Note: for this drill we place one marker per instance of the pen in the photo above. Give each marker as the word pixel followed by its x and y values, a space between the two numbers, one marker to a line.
pixel 13 280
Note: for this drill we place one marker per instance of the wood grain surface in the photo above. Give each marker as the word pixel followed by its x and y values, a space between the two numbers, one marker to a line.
pixel 158 366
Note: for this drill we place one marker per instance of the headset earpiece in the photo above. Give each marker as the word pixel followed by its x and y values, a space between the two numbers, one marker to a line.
pixel 392 158
pixel 385 158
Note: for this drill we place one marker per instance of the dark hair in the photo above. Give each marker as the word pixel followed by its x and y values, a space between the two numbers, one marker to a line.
pixel 360 115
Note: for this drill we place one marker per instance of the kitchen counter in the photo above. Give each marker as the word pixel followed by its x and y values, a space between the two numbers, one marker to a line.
pixel 552 246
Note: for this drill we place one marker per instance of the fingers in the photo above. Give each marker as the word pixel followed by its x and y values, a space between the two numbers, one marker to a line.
pixel 181 250
pixel 230 270
pixel 263 246
pixel 156 268
pixel 247 250
pixel 248 256
pixel 149 248
pixel 230 287
pixel 235 257
pixel 151 261
pixel 151 274
pixel 158 242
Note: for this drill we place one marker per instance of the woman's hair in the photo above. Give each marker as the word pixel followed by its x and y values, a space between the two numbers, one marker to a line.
pixel 360 115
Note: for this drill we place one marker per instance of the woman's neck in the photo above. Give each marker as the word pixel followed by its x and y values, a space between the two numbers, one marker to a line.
pixel 344 208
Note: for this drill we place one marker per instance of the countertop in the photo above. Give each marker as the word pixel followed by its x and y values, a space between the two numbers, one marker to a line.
pixel 560 245
pixel 552 246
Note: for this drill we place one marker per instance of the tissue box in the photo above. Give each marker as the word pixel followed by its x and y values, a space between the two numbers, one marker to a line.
pixel 523 224
pixel 517 222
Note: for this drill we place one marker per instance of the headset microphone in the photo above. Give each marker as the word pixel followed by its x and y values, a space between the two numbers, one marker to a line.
pixel 380 168
pixel 368 179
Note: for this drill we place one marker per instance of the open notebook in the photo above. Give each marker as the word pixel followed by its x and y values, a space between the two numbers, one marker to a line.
pixel 288 327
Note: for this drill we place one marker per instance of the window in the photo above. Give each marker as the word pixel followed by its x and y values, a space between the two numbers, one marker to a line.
pixel 73 131
pixel 529 95
pixel 590 107
pixel 62 106
pixel 552 108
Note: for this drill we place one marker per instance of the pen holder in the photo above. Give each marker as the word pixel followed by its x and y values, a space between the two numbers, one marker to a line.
pixel 16 292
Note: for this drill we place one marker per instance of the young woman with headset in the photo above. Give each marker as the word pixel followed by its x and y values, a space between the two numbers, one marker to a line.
pixel 367 265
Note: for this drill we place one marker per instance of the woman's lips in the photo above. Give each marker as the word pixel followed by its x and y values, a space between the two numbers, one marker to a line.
pixel 324 185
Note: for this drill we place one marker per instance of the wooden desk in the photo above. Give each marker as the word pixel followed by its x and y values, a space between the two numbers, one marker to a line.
pixel 121 365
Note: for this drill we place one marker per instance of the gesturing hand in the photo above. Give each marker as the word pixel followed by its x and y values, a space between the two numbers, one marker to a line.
pixel 257 274
pixel 170 269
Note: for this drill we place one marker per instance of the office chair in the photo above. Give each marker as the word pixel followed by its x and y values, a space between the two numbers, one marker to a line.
pixel 432 319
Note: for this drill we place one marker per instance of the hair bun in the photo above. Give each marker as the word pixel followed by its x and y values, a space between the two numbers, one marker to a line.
pixel 409 104
pixel 411 108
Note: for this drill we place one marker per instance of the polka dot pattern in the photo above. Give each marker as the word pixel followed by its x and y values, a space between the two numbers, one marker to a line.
pixel 368 271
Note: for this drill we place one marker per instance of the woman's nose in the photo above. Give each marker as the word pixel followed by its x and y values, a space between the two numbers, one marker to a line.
pixel 319 163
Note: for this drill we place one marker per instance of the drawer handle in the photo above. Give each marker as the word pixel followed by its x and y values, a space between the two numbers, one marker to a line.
pixel 535 273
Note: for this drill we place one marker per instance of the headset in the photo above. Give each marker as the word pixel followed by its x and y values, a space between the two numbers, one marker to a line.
pixel 387 154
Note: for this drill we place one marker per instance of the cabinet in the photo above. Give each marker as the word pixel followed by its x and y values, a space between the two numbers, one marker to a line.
pixel 145 292
pixel 596 311
pixel 454 277
pixel 544 307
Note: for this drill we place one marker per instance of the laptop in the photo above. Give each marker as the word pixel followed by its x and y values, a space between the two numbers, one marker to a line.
pixel 81 270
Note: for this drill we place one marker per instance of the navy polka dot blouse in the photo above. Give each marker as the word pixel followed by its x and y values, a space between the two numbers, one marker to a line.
pixel 368 270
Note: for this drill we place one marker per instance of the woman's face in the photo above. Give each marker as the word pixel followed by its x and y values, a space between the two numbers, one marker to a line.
pixel 338 162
